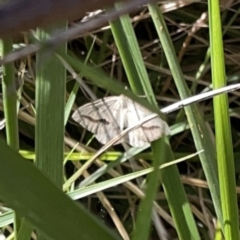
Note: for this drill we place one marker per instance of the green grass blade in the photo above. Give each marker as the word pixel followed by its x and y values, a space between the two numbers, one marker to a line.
pixel 25 230
pixel 200 133
pixel 10 98
pixel 6 218
pixel 130 52
pixel 224 145
pixel 130 69
pixel 50 101
pixel 43 204
pixel 10 113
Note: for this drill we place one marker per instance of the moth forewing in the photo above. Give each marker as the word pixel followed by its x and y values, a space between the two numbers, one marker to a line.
pixel 100 117
pixel 134 141
pixel 155 129
pixel 104 135
pixel 107 132
pixel 147 132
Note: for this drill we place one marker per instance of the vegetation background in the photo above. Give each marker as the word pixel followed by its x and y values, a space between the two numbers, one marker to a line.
pixel 166 51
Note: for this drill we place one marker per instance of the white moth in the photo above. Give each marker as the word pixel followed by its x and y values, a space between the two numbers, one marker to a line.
pixel 107 117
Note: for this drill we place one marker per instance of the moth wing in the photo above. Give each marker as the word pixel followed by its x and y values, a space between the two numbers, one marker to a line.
pixel 149 131
pixel 101 118
pixel 107 134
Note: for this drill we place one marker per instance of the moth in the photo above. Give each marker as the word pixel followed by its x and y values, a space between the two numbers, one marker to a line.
pixel 107 117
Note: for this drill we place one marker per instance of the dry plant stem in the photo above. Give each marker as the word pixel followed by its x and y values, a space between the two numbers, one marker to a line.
pixel 157 207
pixel 198 213
pixel 206 214
pixel 107 205
pixel 133 188
pixel 129 185
pixel 199 183
pixel 196 26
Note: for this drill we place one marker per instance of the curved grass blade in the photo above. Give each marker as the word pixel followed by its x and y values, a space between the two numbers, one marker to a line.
pixel 37 199
pixel 198 128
